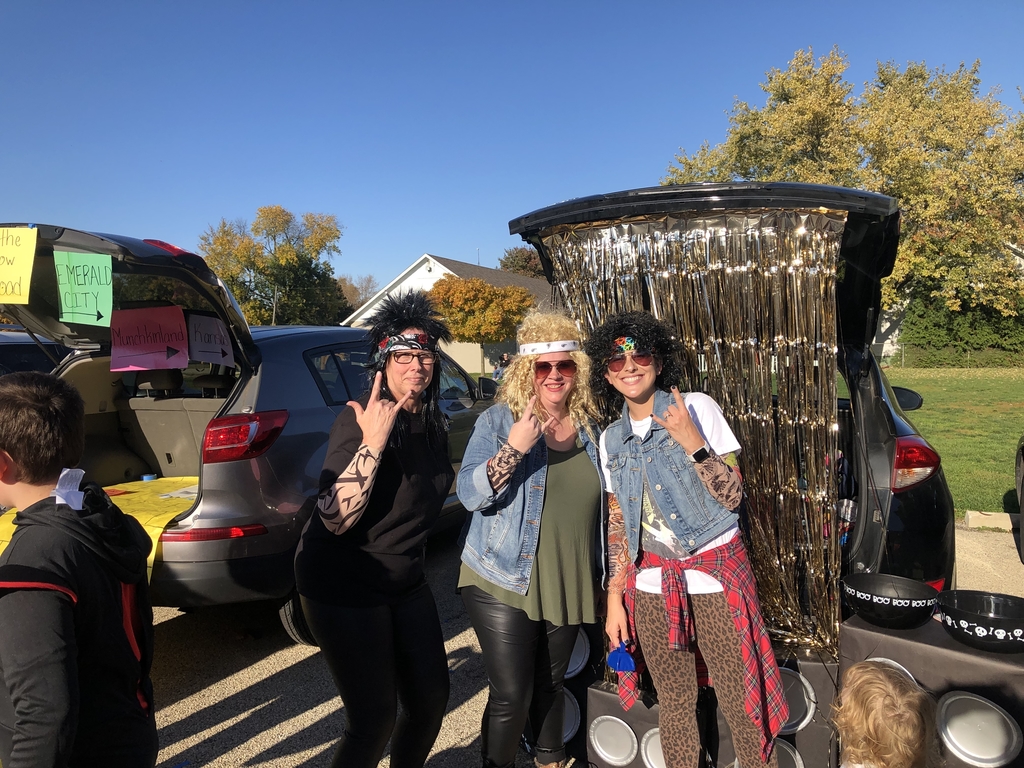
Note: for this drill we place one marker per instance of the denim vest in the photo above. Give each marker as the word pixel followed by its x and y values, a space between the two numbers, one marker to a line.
pixel 499 539
pixel 692 513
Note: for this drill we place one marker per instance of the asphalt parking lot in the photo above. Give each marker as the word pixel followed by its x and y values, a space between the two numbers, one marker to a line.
pixel 232 690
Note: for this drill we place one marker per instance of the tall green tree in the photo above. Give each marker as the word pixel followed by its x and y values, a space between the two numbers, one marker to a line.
pixel 952 157
pixel 522 260
pixel 278 267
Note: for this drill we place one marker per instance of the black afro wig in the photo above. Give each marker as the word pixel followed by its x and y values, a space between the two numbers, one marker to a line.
pixel 649 333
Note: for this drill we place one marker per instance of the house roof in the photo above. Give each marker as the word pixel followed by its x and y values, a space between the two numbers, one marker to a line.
pixel 541 290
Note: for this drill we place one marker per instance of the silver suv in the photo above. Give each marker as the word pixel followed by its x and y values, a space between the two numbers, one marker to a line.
pixel 219 460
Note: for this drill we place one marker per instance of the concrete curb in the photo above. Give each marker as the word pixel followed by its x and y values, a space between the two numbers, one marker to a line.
pixel 1002 520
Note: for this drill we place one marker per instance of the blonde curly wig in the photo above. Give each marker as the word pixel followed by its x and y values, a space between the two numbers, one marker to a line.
pixel 517 384
pixel 886 719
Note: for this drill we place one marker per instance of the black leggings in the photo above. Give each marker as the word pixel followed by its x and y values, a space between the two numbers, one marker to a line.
pixel 378 656
pixel 526 662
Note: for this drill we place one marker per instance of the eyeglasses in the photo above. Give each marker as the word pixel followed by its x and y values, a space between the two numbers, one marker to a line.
pixel 542 368
pixel 617 362
pixel 405 357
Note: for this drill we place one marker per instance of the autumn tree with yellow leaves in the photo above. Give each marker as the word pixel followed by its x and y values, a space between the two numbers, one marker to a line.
pixel 278 267
pixel 953 158
pixel 478 312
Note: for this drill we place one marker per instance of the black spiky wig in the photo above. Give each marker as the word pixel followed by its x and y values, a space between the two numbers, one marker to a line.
pixel 648 333
pixel 394 315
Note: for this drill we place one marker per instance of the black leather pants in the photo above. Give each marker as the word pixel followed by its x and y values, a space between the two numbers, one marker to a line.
pixel 526 662
pixel 378 656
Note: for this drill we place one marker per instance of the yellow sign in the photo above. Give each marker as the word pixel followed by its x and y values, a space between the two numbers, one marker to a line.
pixel 17 252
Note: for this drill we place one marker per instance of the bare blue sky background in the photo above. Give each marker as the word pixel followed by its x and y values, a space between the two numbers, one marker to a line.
pixel 424 127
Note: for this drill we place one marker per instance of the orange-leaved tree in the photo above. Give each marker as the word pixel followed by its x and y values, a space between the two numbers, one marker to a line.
pixel 478 312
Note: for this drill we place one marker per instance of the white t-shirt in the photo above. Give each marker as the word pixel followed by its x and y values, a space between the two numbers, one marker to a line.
pixel 707 417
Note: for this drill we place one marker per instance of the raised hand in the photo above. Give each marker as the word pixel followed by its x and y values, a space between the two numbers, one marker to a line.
pixel 679 424
pixel 378 418
pixel 529 429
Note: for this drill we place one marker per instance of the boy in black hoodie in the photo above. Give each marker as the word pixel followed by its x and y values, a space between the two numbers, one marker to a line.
pixel 76 626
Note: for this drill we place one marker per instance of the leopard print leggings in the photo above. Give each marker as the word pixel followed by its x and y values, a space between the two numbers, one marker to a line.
pixel 675 677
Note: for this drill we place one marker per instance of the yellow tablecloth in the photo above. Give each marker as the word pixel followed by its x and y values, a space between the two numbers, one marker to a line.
pixel 153 503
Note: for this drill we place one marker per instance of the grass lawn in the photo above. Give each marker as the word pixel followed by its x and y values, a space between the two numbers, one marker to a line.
pixel 974 418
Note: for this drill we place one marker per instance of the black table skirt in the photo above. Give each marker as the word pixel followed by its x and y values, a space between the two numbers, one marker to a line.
pixel 938 662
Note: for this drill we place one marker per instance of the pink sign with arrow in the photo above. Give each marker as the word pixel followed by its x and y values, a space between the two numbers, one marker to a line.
pixel 148 339
pixel 209 341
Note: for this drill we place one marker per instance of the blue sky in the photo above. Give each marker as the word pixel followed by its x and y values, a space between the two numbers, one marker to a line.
pixel 424 127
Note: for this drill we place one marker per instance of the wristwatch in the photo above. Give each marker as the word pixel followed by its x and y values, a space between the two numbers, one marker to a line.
pixel 701 454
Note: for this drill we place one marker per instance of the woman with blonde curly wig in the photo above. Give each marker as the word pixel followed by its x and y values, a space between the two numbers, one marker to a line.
pixel 885 719
pixel 533 558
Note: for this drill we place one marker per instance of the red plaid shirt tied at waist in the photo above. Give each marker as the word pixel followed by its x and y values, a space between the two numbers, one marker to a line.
pixel 765 698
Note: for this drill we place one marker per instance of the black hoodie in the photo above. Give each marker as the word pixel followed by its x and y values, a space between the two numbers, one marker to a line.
pixel 76 638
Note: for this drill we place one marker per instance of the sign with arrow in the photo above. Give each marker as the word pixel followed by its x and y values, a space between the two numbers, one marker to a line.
pixel 148 339
pixel 209 341
pixel 17 254
pixel 84 287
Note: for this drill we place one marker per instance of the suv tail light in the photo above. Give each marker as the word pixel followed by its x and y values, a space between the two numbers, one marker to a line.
pixel 214 534
pixel 916 461
pixel 243 436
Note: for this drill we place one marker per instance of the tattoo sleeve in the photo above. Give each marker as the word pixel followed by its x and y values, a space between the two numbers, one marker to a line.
pixel 342 504
pixel 618 547
pixel 502 465
pixel 722 481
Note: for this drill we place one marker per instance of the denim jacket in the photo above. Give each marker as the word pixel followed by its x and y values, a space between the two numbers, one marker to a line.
pixel 500 535
pixel 692 513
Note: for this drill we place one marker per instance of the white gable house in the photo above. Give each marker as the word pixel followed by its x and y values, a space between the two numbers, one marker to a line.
pixel 427 270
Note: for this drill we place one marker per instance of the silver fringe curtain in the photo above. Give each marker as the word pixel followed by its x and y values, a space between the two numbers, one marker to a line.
pixel 751 295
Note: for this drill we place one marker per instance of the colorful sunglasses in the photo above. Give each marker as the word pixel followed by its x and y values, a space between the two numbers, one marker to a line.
pixel 542 368
pixel 617 362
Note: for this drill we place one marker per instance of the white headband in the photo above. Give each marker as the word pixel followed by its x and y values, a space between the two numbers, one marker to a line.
pixel 542 347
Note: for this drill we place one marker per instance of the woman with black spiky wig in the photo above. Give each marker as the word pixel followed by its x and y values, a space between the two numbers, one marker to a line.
pixel 359 565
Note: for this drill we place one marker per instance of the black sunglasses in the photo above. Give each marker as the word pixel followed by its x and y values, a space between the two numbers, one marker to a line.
pixel 542 368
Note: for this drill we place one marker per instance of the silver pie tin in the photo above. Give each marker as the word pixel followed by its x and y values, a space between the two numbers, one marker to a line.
pixel 650 749
pixel 613 740
pixel 580 654
pixel 801 699
pixel 976 730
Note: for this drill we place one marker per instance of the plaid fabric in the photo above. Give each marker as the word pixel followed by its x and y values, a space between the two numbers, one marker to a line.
pixel 765 697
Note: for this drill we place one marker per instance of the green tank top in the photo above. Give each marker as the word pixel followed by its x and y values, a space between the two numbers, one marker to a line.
pixel 563 581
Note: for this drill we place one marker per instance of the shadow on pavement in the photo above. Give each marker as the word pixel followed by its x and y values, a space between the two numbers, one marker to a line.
pixel 204 660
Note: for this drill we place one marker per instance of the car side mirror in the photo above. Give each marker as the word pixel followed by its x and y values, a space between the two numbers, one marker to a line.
pixel 487 388
pixel 908 399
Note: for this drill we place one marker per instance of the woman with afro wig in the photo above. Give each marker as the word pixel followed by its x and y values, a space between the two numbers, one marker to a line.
pixel 532 561
pixel 680 588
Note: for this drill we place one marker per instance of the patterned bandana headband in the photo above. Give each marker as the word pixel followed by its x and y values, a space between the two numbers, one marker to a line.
pixel 402 341
pixel 542 347
pixel 624 344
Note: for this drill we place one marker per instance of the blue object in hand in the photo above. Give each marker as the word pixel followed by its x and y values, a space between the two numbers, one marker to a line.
pixel 619 660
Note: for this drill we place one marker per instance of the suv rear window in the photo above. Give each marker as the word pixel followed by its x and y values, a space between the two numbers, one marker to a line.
pixel 27 356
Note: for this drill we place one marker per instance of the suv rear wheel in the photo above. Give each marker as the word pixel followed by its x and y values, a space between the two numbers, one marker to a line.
pixel 294 621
